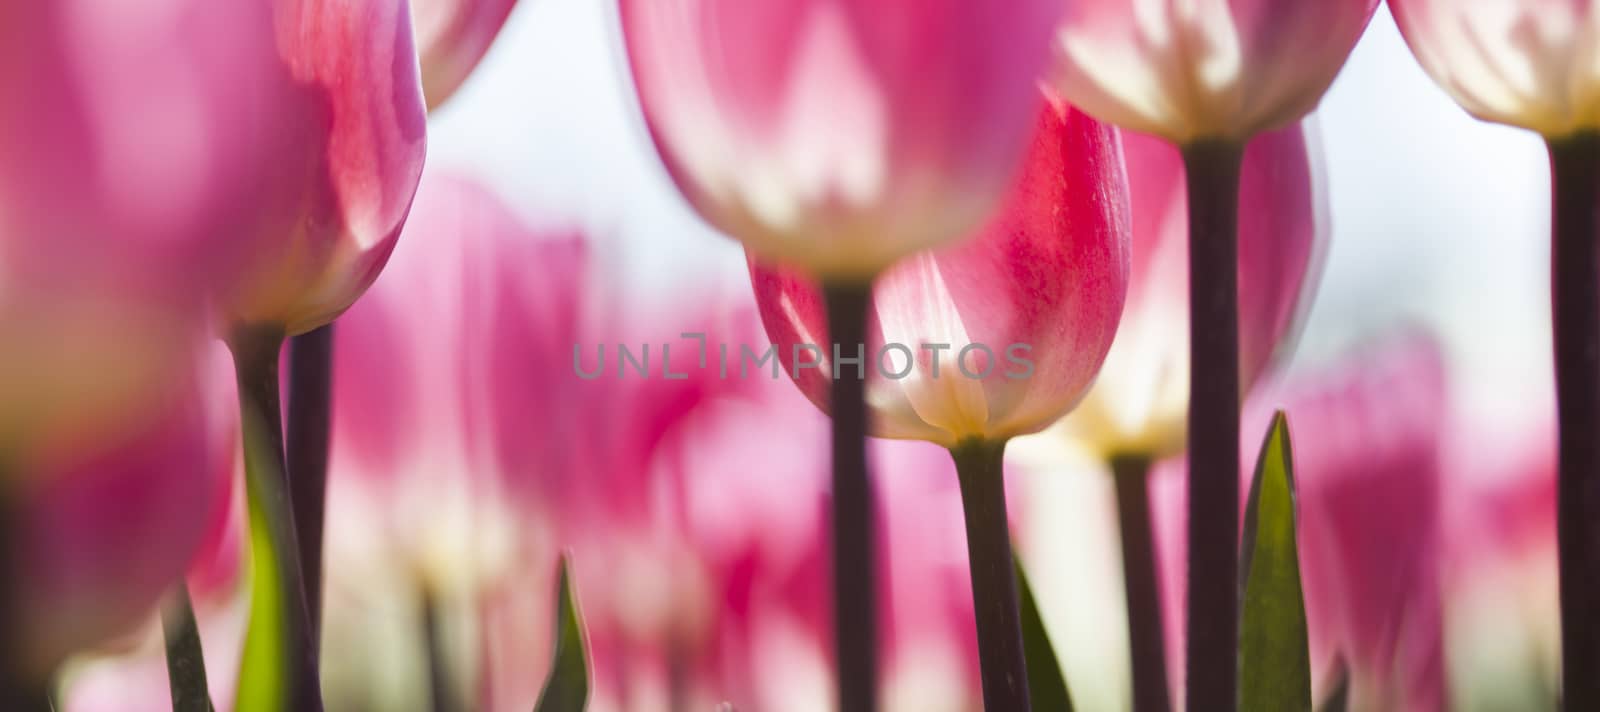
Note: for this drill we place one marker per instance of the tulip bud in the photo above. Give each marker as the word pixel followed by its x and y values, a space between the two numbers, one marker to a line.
pixel 347 176
pixel 996 337
pixel 1139 404
pixel 452 37
pixel 839 137
pixel 1223 69
pixel 1527 63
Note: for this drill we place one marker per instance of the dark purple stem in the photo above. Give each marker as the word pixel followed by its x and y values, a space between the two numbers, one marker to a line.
pixel 1146 634
pixel 854 542
pixel 1212 169
pixel 310 400
pixel 1575 298
pixel 1004 671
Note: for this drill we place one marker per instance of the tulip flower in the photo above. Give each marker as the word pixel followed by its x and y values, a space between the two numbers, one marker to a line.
pixel 1027 311
pixel 992 338
pixel 1221 70
pixel 1531 64
pixel 1208 77
pixel 345 184
pixel 106 274
pixel 1502 619
pixel 114 515
pixel 839 138
pixel 1371 501
pixel 1517 63
pixel 105 270
pixel 1138 405
pixel 349 178
pixel 452 37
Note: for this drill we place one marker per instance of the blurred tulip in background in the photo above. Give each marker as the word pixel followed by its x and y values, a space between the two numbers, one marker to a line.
pixel 1227 69
pixel 1527 64
pixel 452 37
pixel 839 137
pixel 1042 282
pixel 1139 404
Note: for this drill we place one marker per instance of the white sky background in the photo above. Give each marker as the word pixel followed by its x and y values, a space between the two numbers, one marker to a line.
pixel 1438 218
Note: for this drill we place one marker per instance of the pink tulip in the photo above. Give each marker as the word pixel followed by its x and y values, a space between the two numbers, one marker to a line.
pixel 346 178
pixel 115 513
pixel 1139 404
pixel 699 552
pixel 135 142
pixel 452 37
pixel 839 137
pixel 1221 69
pixel 1367 439
pixel 1503 620
pixel 1027 309
pixel 1526 63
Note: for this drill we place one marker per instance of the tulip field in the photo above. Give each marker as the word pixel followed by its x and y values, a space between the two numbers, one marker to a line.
pixel 799 356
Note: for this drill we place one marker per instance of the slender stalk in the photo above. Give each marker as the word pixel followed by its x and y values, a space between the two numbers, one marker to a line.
pixel 1146 634
pixel 255 358
pixel 855 596
pixel 1212 169
pixel 186 663
pixel 1575 298
pixel 441 684
pixel 994 583
pixel 310 398
pixel 17 681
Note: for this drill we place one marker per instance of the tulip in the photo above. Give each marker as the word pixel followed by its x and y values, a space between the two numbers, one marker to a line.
pixel 115 512
pixel 463 454
pixel 105 270
pixel 1502 619
pixel 452 37
pixel 1518 63
pixel 1228 69
pixel 1208 77
pixel 839 138
pixel 349 177
pixel 1371 517
pixel 106 275
pixel 344 186
pixel 1023 314
pixel 1531 64
pixel 1138 404
pixel 1027 309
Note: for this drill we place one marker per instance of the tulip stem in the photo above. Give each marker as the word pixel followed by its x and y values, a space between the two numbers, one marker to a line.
pixel 855 595
pixel 255 358
pixel 441 684
pixel 994 583
pixel 1212 171
pixel 1146 633
pixel 186 663
pixel 1575 298
pixel 310 396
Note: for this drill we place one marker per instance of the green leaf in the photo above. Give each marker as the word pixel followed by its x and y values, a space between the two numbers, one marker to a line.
pixel 567 687
pixel 1274 657
pixel 1047 689
pixel 263 671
